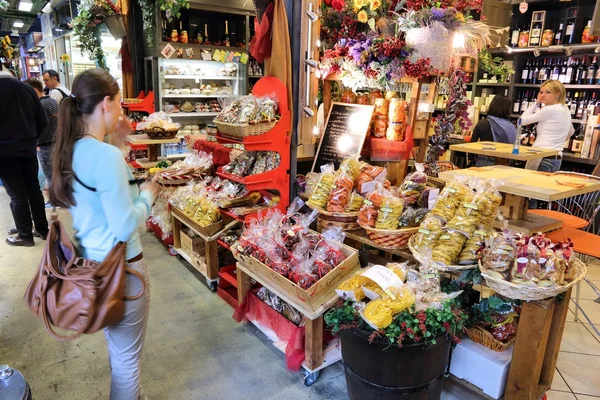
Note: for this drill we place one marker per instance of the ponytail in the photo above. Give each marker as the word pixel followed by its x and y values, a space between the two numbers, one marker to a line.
pixel 89 89
pixel 70 129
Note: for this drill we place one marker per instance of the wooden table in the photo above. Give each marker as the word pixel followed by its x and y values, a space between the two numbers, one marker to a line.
pixel 503 151
pixel 519 185
pixel 153 148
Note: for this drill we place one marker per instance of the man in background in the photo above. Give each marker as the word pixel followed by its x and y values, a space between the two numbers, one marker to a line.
pixel 23 120
pixel 45 141
pixel 52 81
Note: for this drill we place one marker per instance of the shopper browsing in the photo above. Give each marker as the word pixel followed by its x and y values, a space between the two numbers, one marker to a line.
pixel 46 139
pixel 93 180
pixel 52 81
pixel 495 128
pixel 23 120
pixel 553 124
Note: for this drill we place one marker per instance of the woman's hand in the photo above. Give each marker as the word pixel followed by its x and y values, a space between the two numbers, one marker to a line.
pixel 152 186
pixel 119 136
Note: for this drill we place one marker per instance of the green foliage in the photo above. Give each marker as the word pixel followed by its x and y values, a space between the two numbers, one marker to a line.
pixel 494 65
pixel 488 307
pixel 340 316
pixel 172 8
pixel 86 27
pixel 148 20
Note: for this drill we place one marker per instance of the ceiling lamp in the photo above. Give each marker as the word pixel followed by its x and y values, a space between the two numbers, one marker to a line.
pixel 25 5
pixel 18 24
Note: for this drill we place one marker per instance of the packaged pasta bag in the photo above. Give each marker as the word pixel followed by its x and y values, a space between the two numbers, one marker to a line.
pixel 471 252
pixel 389 213
pixel 495 199
pixel 413 185
pixel 428 234
pixel 369 178
pixel 400 269
pixel 351 288
pixel 352 166
pixel 355 202
pixel 499 255
pixel 340 194
pixel 323 187
pixel 448 247
pixel 472 210
pixel 450 198
pixel 369 210
pixel 379 313
pixel 312 178
pixel 408 218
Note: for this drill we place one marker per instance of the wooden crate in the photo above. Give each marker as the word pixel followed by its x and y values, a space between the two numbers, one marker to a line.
pixel 191 245
pixel 309 301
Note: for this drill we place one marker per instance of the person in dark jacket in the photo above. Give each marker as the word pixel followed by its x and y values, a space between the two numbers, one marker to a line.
pixel 45 141
pixel 495 128
pixel 23 120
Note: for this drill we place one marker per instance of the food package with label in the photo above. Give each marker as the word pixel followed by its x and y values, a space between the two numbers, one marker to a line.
pixel 454 193
pixel 448 247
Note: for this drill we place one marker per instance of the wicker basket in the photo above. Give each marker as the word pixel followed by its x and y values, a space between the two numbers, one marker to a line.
pixel 346 223
pixel 485 338
pixel 529 293
pixel 241 131
pixel 390 238
pixel 442 267
pixel 158 133
pixel 179 180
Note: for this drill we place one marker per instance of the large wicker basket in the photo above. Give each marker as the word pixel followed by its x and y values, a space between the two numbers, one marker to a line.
pixel 529 293
pixel 241 131
pixel 345 220
pixel 485 338
pixel 390 238
pixel 159 133
pixel 442 267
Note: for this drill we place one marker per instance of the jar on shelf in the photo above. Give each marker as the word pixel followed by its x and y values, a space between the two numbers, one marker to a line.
pixel 380 126
pixel 547 37
pixel 348 96
pixel 174 36
pixel 395 131
pixel 183 37
pixel 390 95
pixel 374 95
pixel 381 107
pixel 397 111
pixel 362 98
pixel 524 39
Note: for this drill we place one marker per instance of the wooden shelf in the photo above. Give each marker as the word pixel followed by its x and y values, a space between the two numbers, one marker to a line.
pixel 581 160
pixel 196 96
pixel 203 78
pixel 567 86
pixel 192 114
pixel 144 139
pixel 207 47
pixel 549 49
pixel 492 84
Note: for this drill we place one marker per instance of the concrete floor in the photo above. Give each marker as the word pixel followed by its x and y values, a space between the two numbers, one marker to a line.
pixel 194 349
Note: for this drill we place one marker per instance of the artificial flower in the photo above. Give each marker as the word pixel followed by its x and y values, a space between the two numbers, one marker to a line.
pixel 358 4
pixel 328 2
pixel 338 5
pixel 363 17
pixel 460 16
pixel 375 4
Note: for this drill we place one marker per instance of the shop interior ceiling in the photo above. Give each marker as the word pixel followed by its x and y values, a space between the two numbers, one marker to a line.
pixel 12 15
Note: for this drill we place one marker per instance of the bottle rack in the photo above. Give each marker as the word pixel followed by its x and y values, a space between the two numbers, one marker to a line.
pixel 276 140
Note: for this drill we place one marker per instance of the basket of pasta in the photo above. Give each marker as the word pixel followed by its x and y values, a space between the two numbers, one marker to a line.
pixel 453 233
pixel 247 116
pixel 391 216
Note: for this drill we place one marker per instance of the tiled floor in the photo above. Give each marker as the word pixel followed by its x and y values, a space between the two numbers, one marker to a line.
pixel 578 368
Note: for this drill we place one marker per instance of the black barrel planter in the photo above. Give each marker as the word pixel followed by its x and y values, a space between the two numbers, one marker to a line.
pixel 380 371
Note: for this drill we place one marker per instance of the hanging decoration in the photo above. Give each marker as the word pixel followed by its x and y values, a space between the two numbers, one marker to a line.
pixel 455 118
pixel 87 27
pixel 149 20
pixel 9 56
pixel 65 59
pixel 172 8
pixel 3 5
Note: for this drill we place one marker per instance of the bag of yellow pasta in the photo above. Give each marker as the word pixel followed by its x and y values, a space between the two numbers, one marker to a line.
pixel 355 202
pixel 351 288
pixel 352 166
pixel 450 198
pixel 320 195
pixel 448 247
pixel 428 234
pixel 398 299
pixel 389 213
pixel 470 252
pixel 472 211
pixel 379 313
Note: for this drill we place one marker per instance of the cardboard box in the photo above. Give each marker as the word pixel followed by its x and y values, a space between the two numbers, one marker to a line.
pixel 191 246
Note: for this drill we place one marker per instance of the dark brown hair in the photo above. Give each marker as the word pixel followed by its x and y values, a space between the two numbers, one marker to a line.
pixel 500 107
pixel 89 89
pixel 36 84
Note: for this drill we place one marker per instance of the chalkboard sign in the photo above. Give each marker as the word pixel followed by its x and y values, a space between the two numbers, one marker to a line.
pixel 345 131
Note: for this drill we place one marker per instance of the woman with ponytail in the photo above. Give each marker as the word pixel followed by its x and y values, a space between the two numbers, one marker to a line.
pixel 92 179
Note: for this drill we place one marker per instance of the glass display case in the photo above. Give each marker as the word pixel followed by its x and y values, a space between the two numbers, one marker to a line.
pixel 190 90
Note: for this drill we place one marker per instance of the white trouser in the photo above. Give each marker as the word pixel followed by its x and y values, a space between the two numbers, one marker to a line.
pixel 126 339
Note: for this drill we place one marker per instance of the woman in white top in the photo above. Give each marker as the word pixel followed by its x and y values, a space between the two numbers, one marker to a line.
pixel 553 124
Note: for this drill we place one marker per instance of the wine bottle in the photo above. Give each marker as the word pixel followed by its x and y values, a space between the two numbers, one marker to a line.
pixel 582 105
pixel 592 71
pixel 569 75
pixel 535 73
pixel 558 34
pixel 555 70
pixel 581 72
pixel 514 37
pixel 564 72
pixel 525 102
pixel 536 34
pixel 517 104
pixel 542 74
pixel 525 73
pixel 569 32
pixel 574 104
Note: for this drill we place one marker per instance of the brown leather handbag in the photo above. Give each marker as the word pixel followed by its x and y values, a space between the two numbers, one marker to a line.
pixel 76 294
